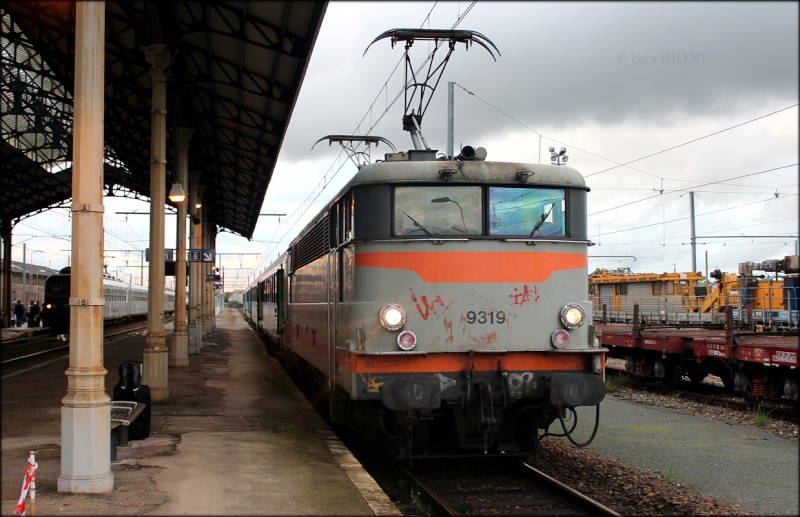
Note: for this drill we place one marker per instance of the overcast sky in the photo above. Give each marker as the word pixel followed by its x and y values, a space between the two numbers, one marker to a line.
pixel 615 83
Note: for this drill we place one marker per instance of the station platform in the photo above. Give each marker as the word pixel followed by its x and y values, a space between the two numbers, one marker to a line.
pixel 8 333
pixel 235 437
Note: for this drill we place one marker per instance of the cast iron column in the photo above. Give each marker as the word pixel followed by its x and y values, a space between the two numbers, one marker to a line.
pixel 85 414
pixel 191 326
pixel 5 230
pixel 155 348
pixel 213 267
pixel 208 294
pixel 194 326
pixel 179 352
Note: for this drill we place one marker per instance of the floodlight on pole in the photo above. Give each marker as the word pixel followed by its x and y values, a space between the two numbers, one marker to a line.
pixel 558 158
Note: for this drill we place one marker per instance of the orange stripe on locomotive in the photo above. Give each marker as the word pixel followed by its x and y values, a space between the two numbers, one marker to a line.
pixel 475 266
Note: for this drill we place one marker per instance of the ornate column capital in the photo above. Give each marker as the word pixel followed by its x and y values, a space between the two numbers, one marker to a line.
pixel 159 58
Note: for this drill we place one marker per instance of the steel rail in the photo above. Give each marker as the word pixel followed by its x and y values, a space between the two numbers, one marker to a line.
pixel 586 502
pixel 571 497
pixel 430 492
pixel 62 347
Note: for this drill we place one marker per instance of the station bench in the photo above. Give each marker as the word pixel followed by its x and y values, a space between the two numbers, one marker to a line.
pixel 122 414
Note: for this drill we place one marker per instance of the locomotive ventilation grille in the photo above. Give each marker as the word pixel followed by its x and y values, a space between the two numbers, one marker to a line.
pixel 313 245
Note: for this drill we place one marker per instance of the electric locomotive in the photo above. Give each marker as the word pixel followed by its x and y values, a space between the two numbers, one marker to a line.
pixel 423 299
pixel 441 301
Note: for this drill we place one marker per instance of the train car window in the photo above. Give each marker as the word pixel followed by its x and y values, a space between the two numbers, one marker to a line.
pixel 669 287
pixel 656 287
pixel 370 214
pixel 434 211
pixel 271 291
pixel 621 289
pixel 527 212
pixel 349 209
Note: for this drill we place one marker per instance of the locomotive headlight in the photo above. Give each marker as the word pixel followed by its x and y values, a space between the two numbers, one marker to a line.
pixel 392 317
pixel 48 306
pixel 572 316
pixel 406 340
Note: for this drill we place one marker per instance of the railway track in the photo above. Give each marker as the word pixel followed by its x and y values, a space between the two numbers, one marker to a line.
pixel 712 394
pixel 498 487
pixel 20 353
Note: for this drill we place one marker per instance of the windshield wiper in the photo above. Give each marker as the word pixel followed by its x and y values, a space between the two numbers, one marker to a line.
pixel 429 234
pixel 542 217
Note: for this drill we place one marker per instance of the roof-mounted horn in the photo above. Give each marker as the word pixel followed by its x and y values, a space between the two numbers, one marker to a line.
pixel 412 121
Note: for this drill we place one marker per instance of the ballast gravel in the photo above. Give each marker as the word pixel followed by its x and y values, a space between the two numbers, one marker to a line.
pixel 635 491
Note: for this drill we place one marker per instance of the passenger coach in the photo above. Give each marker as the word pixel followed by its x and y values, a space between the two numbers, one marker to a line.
pixel 121 301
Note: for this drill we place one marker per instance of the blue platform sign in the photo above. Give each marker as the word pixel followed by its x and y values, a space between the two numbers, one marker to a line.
pixel 201 255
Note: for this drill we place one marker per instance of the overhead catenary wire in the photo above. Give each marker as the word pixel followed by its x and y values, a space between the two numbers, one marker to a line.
pixel 383 102
pixel 625 164
pixel 687 189
pixel 686 218
pixel 693 140
pixel 295 216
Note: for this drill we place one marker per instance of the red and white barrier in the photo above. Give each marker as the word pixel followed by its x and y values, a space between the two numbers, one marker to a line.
pixel 28 486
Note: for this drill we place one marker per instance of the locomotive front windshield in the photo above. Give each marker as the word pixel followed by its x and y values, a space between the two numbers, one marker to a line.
pixel 57 285
pixel 527 212
pixel 459 211
pixel 429 211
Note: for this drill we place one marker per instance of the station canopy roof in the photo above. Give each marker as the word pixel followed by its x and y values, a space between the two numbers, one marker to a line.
pixel 236 71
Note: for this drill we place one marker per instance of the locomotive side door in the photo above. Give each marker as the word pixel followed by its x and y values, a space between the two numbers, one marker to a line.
pixel 332 286
pixel 341 233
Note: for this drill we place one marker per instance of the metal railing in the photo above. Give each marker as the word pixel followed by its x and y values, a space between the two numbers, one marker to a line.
pixel 774 307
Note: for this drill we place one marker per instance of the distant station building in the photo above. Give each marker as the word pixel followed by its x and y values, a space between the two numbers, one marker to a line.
pixel 27 281
pixel 236 297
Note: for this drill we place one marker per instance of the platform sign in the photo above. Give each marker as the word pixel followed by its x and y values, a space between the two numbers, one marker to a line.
pixel 169 255
pixel 201 255
pixel 212 278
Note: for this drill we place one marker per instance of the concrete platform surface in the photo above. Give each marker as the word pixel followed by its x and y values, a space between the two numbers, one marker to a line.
pixel 236 437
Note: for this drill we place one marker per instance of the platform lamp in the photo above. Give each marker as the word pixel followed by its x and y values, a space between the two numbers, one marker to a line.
pixel 176 193
pixel 196 217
